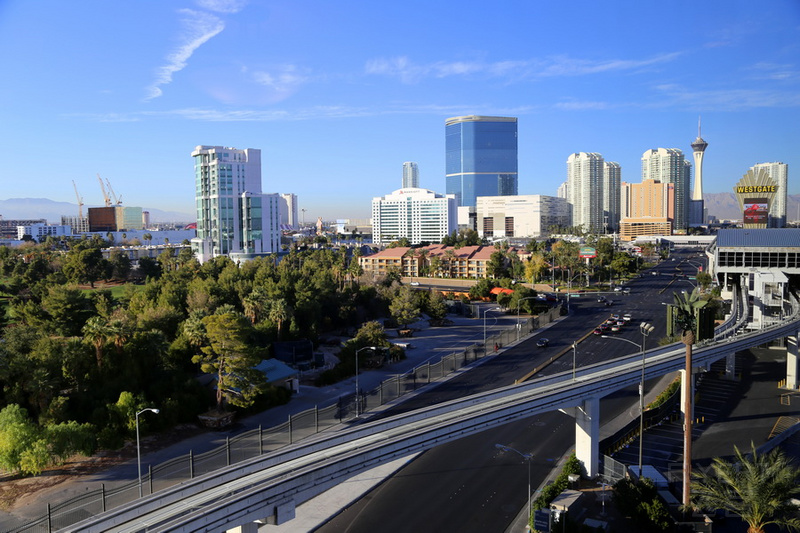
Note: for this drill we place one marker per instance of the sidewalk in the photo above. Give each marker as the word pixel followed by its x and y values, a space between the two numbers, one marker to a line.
pixel 429 344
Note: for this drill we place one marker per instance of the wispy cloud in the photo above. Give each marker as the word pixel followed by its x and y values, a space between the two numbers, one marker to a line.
pixel 199 27
pixel 222 6
pixel 775 71
pixel 409 72
pixel 281 82
pixel 672 95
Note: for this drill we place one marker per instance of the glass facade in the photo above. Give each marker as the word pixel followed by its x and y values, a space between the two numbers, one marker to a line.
pixel 480 157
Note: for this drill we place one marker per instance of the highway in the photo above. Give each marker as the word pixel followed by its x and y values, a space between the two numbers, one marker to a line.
pixel 469 485
pixel 259 486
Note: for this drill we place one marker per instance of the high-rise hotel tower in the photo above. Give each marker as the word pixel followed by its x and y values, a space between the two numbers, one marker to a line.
pixel 667 165
pixel 233 217
pixel 481 157
pixel 585 186
pixel 410 175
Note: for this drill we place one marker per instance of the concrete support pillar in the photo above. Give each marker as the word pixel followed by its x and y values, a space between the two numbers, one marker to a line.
pixel 250 527
pixel 587 436
pixel 685 391
pixel 792 359
pixel 730 366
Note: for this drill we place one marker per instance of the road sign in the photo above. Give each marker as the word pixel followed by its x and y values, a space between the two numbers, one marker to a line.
pixel 541 521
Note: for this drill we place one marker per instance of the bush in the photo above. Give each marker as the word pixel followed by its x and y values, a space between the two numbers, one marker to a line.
pixel 640 501
pixel 571 466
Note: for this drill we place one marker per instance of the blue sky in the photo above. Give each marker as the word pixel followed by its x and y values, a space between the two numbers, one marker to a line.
pixel 337 95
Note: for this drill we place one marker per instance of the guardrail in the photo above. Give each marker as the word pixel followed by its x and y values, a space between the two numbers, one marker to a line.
pixel 259 441
pixel 259 486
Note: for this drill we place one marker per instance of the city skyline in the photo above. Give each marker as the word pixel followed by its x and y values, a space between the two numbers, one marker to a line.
pixel 337 98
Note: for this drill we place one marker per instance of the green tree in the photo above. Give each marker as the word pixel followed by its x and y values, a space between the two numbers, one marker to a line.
pixel 371 334
pixel 535 267
pixel 404 308
pixel 96 332
pixel 232 359
pixel 436 307
pixel 759 487
pixel 67 308
pixel 279 312
pixel 496 266
pixel 85 265
pixel 17 434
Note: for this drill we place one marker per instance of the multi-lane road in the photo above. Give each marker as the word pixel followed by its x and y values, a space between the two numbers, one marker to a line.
pixel 472 486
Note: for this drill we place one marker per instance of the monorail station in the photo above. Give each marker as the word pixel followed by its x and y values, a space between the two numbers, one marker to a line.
pixel 765 261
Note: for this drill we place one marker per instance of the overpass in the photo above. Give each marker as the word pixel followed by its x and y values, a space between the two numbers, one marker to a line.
pixel 268 488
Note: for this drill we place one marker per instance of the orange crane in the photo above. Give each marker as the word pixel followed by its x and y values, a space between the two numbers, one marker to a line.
pixel 105 194
pixel 117 201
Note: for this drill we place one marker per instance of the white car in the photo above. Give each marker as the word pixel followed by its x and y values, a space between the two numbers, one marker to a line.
pixel 627 317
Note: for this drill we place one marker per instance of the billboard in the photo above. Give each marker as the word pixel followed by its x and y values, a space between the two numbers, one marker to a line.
pixel 587 252
pixel 756 210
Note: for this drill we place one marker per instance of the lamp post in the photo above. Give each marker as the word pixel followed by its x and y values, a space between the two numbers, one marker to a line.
pixel 645 329
pixel 485 312
pixel 527 457
pixel 574 358
pixel 138 453
pixel 519 302
pixel 357 389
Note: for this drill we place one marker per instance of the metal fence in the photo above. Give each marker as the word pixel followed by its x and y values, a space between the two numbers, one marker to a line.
pixel 258 441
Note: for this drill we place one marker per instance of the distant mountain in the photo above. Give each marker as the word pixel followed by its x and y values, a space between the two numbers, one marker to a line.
pixel 724 206
pixel 36 208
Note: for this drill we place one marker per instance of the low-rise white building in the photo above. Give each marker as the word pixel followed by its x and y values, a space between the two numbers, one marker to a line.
pixel 41 231
pixel 419 215
pixel 532 215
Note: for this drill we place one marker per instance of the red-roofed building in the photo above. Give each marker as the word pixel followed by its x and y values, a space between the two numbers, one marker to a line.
pixel 435 260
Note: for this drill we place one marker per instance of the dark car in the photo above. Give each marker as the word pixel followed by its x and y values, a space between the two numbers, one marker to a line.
pixel 543 343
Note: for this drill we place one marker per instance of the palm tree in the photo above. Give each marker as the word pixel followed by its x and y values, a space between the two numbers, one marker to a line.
pixel 279 312
pixel 96 332
pixel 758 487
pixel 686 304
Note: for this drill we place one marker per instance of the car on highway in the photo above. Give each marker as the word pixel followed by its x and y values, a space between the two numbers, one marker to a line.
pixel 598 331
pixel 627 317
pixel 415 283
pixel 616 327
pixel 543 343
pixel 601 299
pixel 626 290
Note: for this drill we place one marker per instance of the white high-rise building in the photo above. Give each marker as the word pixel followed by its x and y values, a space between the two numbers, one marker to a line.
pixel 585 190
pixel 612 177
pixel 419 215
pixel 234 218
pixel 289 211
pixel 779 172
pixel 524 216
pixel 410 175
pixel 668 165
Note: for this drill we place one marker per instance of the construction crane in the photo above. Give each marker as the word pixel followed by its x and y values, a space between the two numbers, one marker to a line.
pixel 105 194
pixel 117 201
pixel 80 201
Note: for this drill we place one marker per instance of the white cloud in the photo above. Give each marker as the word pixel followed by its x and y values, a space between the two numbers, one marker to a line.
pixel 408 72
pixel 775 71
pixel 725 99
pixel 282 82
pixel 199 28
pixel 222 6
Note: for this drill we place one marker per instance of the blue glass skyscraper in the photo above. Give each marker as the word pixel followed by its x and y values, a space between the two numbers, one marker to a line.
pixel 481 157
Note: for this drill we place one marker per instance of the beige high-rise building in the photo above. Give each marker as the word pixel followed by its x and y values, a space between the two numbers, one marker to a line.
pixel 649 209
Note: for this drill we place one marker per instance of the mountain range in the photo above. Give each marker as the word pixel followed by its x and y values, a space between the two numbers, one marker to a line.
pixel 37 208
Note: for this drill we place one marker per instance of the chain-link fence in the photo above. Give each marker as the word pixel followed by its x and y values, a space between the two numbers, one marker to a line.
pixel 258 441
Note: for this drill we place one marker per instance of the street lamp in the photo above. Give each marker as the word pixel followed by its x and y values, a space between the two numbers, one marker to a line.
pixel 357 389
pixel 138 453
pixel 527 457
pixel 574 358
pixel 485 312
pixel 519 302
pixel 645 329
